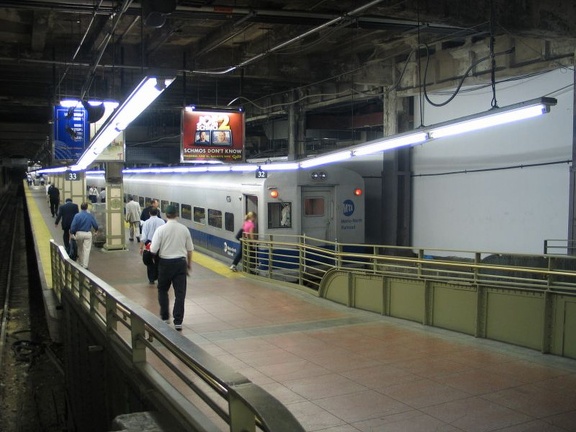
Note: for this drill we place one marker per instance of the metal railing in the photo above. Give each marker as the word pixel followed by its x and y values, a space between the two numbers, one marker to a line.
pixel 201 392
pixel 304 261
pixel 559 246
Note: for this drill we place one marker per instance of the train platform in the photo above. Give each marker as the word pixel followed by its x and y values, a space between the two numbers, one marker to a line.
pixel 345 370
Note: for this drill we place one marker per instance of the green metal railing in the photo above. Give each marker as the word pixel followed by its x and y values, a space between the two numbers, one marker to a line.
pixel 305 261
pixel 525 300
pixel 190 384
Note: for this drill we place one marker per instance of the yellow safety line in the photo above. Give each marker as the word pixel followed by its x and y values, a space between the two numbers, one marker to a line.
pixel 42 235
pixel 214 265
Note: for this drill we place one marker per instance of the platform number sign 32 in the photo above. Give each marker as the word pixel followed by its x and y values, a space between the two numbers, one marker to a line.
pixel 261 174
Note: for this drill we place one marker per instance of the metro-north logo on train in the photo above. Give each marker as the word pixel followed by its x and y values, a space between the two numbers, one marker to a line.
pixel 348 207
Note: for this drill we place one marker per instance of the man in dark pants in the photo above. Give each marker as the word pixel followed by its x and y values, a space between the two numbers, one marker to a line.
pixel 148 229
pixel 172 243
pixel 66 213
pixel 54 195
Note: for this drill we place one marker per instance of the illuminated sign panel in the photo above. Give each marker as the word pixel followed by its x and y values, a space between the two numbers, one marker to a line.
pixel 71 132
pixel 212 136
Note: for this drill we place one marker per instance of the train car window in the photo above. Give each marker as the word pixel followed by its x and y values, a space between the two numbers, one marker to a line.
pixel 147 201
pixel 163 205
pixel 280 215
pixel 186 212
pixel 314 206
pixel 229 221
pixel 200 215
pixel 215 218
pixel 177 205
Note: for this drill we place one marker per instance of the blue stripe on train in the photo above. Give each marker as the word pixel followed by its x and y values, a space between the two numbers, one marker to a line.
pixel 287 258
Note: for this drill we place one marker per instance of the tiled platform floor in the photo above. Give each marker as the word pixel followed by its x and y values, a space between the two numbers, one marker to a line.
pixel 343 370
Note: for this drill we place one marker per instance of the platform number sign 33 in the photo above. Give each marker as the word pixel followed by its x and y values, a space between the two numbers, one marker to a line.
pixel 72 176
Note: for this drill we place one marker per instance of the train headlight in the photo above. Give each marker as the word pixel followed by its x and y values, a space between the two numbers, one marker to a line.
pixel 274 193
pixel 319 175
pixel 357 191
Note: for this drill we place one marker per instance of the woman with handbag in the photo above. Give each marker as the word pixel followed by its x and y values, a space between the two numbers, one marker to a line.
pixel 247 232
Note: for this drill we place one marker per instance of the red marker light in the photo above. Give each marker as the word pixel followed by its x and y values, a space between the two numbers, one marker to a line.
pixel 357 191
pixel 274 193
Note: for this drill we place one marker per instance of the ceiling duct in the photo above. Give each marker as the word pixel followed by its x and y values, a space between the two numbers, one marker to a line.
pixel 154 12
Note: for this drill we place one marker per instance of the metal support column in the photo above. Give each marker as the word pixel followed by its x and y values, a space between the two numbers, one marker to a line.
pixel 572 200
pixel 396 181
pixel 115 227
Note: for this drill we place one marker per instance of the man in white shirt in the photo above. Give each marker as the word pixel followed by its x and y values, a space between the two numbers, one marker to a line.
pixel 148 229
pixel 93 194
pixel 172 243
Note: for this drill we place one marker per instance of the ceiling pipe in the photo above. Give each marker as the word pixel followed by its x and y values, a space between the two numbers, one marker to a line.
pixel 108 7
pixel 107 38
pixel 84 36
pixel 291 41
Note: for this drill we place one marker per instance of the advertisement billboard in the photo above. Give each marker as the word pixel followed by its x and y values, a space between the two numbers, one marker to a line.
pixel 212 136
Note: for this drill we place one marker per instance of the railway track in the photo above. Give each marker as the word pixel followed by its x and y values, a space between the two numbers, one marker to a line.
pixel 9 281
pixel 31 386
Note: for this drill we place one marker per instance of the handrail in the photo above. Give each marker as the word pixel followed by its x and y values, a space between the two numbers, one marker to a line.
pixel 569 246
pixel 145 343
pixel 305 260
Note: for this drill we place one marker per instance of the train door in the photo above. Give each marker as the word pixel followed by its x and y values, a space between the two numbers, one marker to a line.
pixel 251 206
pixel 318 213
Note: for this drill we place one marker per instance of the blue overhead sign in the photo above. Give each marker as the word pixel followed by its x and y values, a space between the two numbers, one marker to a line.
pixel 71 132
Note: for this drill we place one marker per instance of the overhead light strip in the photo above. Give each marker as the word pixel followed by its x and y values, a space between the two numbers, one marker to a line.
pixel 143 95
pixel 493 117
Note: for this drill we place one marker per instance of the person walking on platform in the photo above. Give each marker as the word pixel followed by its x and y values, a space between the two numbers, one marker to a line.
pixel 81 229
pixel 146 212
pixel 93 194
pixel 247 232
pixel 148 230
pixel 48 186
pixel 66 213
pixel 133 211
pixel 54 197
pixel 172 243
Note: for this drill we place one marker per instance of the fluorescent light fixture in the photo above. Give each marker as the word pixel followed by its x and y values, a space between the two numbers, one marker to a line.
pixel 243 167
pixel 142 96
pixel 94 174
pixel 326 159
pixel 391 143
pixel 286 166
pixel 494 117
pixel 218 168
pixel 52 170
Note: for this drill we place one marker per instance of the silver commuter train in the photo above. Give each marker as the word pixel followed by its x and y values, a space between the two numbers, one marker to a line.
pixel 324 203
